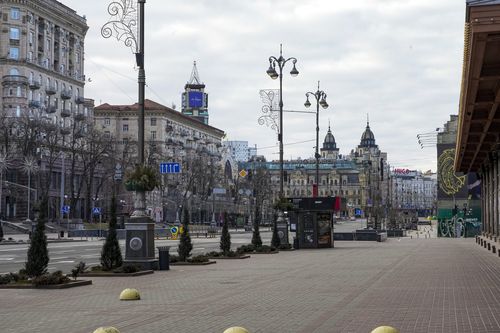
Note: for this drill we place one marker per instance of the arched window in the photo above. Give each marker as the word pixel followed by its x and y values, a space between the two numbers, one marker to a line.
pixel 14 71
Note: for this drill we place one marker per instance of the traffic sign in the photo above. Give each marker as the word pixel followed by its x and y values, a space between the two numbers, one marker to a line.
pixel 243 173
pixel 96 210
pixel 65 209
pixel 173 230
pixel 170 168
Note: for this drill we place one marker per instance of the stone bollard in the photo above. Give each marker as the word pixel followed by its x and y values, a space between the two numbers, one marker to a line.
pixel 106 330
pixel 385 329
pixel 236 329
pixel 129 294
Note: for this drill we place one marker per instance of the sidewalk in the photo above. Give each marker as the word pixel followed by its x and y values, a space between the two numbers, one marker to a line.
pixel 415 285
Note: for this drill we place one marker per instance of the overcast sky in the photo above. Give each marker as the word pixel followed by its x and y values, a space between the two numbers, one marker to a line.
pixel 397 60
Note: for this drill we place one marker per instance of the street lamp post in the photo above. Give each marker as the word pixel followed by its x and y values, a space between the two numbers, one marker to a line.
pixel 123 25
pixel 280 63
pixel 320 97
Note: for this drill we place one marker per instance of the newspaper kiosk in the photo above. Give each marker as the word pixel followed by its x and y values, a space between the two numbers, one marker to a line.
pixel 312 220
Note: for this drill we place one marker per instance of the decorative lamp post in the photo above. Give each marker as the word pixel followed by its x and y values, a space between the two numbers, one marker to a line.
pixel 279 63
pixel 4 165
pixel 29 166
pixel 320 97
pixel 125 14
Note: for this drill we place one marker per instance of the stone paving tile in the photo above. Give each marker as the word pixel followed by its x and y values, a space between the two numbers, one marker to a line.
pixel 417 285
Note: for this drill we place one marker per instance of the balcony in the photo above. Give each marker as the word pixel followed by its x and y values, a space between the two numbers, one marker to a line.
pixel 35 104
pixel 50 89
pixel 51 109
pixel 66 94
pixel 79 100
pixel 65 113
pixel 79 117
pixel 35 84
pixel 16 79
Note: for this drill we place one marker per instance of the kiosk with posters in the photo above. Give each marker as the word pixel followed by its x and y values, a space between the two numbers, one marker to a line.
pixel 312 220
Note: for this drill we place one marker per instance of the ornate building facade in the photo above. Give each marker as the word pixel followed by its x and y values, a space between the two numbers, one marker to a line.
pixel 42 79
pixel 171 136
pixel 357 178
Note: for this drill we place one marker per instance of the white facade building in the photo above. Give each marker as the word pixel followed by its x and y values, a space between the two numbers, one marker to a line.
pixel 240 151
pixel 414 190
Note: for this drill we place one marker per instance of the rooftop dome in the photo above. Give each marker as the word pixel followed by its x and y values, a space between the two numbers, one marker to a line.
pixel 329 143
pixel 367 139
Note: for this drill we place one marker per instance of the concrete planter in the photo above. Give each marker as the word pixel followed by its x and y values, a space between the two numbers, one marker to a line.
pixel 70 284
pixel 111 273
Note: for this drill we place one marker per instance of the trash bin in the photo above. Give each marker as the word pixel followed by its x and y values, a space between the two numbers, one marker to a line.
pixel 296 243
pixel 164 258
pixel 62 233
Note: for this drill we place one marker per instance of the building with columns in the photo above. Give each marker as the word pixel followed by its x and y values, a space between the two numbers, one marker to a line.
pixel 477 144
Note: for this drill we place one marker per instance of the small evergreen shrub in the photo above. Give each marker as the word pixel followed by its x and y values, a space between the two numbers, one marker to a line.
pixel 48 279
pixel 128 269
pixel 214 254
pixel 198 259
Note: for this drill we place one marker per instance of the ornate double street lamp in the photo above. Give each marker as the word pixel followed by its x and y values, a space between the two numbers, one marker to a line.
pixel 279 63
pixel 123 26
pixel 320 97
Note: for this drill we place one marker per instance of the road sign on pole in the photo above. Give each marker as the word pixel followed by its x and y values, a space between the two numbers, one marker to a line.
pixel 170 168
pixel 65 209
pixel 96 210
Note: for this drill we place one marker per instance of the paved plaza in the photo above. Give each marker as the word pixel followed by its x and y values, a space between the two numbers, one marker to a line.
pixel 415 285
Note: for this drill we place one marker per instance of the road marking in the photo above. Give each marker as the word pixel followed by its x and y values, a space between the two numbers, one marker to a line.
pixel 14 249
pixel 7 259
pixel 63 262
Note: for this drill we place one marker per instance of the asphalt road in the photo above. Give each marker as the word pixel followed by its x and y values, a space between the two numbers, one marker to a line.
pixel 64 256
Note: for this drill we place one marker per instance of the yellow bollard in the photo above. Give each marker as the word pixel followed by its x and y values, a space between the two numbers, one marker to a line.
pixel 106 330
pixel 236 329
pixel 129 294
pixel 385 329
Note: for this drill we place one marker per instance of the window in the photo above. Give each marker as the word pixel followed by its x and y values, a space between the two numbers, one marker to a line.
pixel 14 53
pixel 153 121
pixel 14 33
pixel 18 111
pixel 125 127
pixel 30 56
pixel 107 121
pixel 125 141
pixel 31 38
pixel 107 134
pixel 13 71
pixel 153 135
pixel 14 13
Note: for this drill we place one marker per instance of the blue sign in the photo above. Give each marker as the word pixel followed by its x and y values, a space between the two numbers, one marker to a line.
pixel 195 99
pixel 65 209
pixel 170 167
pixel 96 210
pixel 173 230
pixel 358 211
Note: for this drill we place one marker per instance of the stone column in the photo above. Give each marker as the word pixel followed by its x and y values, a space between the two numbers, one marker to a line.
pixel 489 200
pixel 483 224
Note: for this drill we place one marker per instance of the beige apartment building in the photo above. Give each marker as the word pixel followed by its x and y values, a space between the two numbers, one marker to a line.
pixel 42 79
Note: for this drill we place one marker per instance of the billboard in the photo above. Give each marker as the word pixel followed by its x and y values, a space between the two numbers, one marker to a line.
pixel 195 99
pixel 450 184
